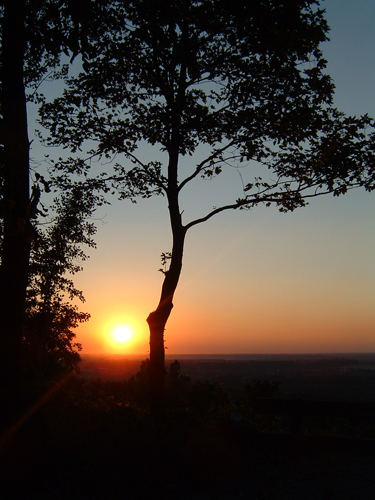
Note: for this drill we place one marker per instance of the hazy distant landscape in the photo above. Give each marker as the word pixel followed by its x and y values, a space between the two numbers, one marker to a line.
pixel 346 377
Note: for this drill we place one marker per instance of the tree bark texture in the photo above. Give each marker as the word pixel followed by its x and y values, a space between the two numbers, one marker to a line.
pixel 15 203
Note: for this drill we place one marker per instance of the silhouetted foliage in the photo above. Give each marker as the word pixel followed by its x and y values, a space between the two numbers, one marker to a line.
pixel 220 85
pixel 36 40
pixel 56 256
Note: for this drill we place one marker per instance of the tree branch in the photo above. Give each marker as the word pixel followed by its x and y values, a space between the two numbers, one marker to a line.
pixel 157 181
pixel 233 206
pixel 202 164
pixel 272 198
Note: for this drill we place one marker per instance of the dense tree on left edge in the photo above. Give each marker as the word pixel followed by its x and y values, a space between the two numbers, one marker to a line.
pixel 34 37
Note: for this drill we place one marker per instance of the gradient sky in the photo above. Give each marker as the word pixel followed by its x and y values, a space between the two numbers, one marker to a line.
pixel 252 282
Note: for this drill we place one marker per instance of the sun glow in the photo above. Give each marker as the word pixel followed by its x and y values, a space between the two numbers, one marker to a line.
pixel 119 333
pixel 122 334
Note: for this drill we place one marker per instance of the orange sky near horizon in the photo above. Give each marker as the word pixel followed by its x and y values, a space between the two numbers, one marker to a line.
pixel 301 282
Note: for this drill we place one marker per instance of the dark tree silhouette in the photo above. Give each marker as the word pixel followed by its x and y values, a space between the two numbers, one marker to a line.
pixel 56 256
pixel 34 37
pixel 245 80
pixel 15 157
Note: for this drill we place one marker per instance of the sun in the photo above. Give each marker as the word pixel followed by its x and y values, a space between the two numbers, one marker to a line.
pixel 122 334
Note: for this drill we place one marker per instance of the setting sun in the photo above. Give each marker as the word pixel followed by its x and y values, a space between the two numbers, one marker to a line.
pixel 118 332
pixel 122 334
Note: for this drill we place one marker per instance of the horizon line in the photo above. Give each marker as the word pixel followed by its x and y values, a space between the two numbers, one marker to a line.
pixel 168 355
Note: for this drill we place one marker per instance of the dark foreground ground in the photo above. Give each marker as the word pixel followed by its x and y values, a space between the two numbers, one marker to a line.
pixel 217 436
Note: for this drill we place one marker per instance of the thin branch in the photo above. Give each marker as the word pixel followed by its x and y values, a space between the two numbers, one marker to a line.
pixel 136 159
pixel 144 166
pixel 273 198
pixel 41 81
pixel 201 165
pixel 111 160
pixel 233 206
pixel 226 161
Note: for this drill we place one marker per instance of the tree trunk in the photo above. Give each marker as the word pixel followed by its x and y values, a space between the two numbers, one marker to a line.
pixel 156 322
pixel 15 204
pixel 158 318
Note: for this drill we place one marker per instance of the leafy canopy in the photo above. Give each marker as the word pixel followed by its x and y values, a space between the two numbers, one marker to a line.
pixel 55 30
pixel 246 79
